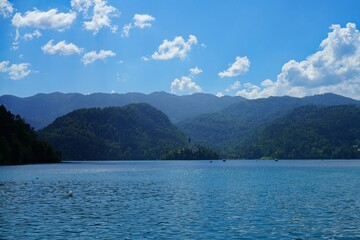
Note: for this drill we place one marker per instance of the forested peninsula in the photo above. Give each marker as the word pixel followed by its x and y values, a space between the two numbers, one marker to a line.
pixel 19 144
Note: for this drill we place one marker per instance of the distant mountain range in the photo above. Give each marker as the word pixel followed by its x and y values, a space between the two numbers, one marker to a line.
pixel 234 127
pixel 40 110
pixel 239 123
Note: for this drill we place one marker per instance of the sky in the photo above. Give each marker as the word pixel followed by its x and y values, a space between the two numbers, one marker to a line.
pixel 248 48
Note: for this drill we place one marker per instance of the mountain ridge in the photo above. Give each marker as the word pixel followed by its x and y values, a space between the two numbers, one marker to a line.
pixel 41 109
pixel 132 132
pixel 238 123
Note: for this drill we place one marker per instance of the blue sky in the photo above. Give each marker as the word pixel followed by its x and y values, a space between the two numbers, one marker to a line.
pixel 248 48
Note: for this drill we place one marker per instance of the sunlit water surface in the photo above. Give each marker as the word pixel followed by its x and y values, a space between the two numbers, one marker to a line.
pixel 181 200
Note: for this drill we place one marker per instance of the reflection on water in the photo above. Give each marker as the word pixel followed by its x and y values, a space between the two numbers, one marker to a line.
pixel 182 200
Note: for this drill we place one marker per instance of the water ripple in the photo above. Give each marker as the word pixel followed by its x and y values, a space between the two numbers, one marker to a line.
pixel 181 200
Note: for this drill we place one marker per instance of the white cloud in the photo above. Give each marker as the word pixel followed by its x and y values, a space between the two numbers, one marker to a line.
pixel 126 30
pixel 61 48
pixel 184 84
pixel 176 48
pixel 143 20
pixel 81 5
pixel 251 91
pixel 240 66
pixel 219 94
pixel 93 56
pixel 30 36
pixel 145 59
pixel 6 9
pixel 236 85
pixel 334 68
pixel 15 71
pixel 140 21
pixel 101 15
pixel 44 20
pixel 195 71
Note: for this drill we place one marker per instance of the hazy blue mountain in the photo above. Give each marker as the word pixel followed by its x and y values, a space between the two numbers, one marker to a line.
pixel 41 109
pixel 135 131
pixel 309 132
pixel 239 122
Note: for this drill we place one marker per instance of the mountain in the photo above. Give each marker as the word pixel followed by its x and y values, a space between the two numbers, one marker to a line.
pixel 309 132
pixel 18 142
pixel 135 131
pixel 237 124
pixel 41 109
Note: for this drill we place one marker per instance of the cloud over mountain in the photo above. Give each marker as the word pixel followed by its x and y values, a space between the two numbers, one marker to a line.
pixel 240 66
pixel 334 68
pixel 186 83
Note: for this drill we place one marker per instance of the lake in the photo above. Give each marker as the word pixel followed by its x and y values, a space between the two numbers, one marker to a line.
pixel 181 200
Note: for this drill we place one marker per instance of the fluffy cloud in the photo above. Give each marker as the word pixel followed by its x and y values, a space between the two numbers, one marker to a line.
pixel 81 5
pixel 195 71
pixel 140 21
pixel 143 20
pixel 61 48
pixel 93 56
pixel 236 85
pixel 176 48
pixel 6 9
pixel 30 36
pixel 334 68
pixel 184 84
pixel 44 20
pixel 15 71
pixel 102 12
pixel 240 66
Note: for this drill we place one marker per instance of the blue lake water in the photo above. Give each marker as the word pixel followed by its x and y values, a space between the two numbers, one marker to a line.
pixel 181 200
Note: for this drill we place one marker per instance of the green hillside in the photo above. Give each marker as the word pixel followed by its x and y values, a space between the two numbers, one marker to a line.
pixel 309 132
pixel 18 142
pixel 239 123
pixel 136 131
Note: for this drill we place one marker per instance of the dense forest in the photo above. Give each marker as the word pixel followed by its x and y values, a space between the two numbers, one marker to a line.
pixel 239 123
pixel 309 132
pixel 18 142
pixel 191 152
pixel 316 127
pixel 136 131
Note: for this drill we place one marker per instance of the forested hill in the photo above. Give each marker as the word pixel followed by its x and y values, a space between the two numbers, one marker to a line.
pixel 310 132
pixel 237 124
pixel 42 109
pixel 136 131
pixel 18 142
